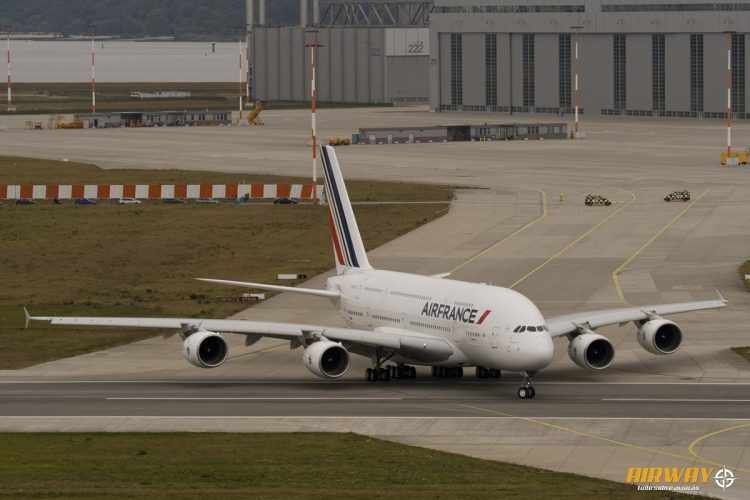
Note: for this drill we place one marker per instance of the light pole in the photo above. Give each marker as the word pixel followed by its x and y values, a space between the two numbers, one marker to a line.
pixel 576 80
pixel 10 92
pixel 729 94
pixel 241 81
pixel 313 45
pixel 93 68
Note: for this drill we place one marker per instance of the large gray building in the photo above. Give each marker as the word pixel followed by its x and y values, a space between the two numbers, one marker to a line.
pixel 634 57
pixel 368 52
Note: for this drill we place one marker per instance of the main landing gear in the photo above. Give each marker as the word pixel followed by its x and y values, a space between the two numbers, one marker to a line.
pixel 483 372
pixel 526 391
pixel 447 372
pixel 386 373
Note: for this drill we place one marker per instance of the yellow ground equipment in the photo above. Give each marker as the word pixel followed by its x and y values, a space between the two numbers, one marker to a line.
pixel 254 117
pixel 339 141
pixel 741 157
pixel 75 124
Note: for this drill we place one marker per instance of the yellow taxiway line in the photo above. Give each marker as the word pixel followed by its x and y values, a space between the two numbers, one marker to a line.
pixel 497 243
pixel 573 243
pixel 616 273
pixel 696 442
pixel 689 458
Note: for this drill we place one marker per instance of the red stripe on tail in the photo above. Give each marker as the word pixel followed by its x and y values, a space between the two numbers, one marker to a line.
pixel 335 238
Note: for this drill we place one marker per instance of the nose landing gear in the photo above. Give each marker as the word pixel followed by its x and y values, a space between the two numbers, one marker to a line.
pixel 526 391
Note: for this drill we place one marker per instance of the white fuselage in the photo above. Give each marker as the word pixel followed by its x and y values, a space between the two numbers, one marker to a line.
pixel 488 326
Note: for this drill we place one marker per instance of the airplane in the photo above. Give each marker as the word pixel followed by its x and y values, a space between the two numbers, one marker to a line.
pixel 402 320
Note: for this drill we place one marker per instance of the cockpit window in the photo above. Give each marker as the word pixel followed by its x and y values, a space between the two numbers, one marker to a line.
pixel 531 328
pixel 523 329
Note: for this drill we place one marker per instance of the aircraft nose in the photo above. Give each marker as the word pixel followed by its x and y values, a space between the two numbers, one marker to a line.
pixel 539 352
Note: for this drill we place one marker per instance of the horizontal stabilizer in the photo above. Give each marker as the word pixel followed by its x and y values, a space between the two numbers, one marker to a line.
pixel 275 288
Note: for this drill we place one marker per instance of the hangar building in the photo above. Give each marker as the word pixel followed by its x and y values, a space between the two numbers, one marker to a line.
pixel 663 58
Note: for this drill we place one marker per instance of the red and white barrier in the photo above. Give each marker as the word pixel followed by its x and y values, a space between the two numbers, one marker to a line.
pixel 156 191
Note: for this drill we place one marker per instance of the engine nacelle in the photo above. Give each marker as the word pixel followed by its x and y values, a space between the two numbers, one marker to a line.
pixel 205 349
pixel 592 351
pixel 326 359
pixel 660 336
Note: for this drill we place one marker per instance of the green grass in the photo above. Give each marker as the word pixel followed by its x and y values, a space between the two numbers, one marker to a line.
pixel 141 260
pixel 743 352
pixel 50 98
pixel 744 270
pixel 270 466
pixel 54 98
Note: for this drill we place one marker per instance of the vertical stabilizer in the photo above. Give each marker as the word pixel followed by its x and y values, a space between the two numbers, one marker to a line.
pixel 348 249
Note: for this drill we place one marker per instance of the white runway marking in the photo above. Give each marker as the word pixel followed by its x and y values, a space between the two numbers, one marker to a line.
pixel 359 382
pixel 252 398
pixel 677 400
pixel 26 418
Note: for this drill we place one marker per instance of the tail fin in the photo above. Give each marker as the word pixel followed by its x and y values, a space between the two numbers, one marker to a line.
pixel 349 251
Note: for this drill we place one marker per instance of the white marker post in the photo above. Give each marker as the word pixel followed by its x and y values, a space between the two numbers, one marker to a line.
pixel 10 92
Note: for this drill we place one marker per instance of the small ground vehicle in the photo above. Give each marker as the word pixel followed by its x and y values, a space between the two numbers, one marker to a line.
pixel 207 201
pixel 173 201
pixel 595 200
pixel 129 201
pixel 25 201
pixel 285 201
pixel 678 196
pixel 85 201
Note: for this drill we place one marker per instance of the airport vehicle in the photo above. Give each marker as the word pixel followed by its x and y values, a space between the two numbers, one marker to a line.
pixel 400 320
pixel 285 201
pixel 85 201
pixel 25 201
pixel 207 201
pixel 595 200
pixel 173 201
pixel 129 201
pixel 678 196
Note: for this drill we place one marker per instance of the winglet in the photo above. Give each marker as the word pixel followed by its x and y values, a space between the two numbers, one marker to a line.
pixel 27 318
pixel 721 297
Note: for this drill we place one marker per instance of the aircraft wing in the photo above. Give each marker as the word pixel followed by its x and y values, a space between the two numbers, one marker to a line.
pixel 416 345
pixel 569 323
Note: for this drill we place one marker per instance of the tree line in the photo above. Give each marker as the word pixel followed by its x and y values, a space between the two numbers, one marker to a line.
pixel 182 19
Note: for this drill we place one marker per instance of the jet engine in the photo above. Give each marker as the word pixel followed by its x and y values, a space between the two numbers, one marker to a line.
pixel 205 349
pixel 591 350
pixel 326 359
pixel 660 336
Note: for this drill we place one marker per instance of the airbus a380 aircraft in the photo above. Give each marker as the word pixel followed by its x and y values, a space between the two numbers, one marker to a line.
pixel 399 320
